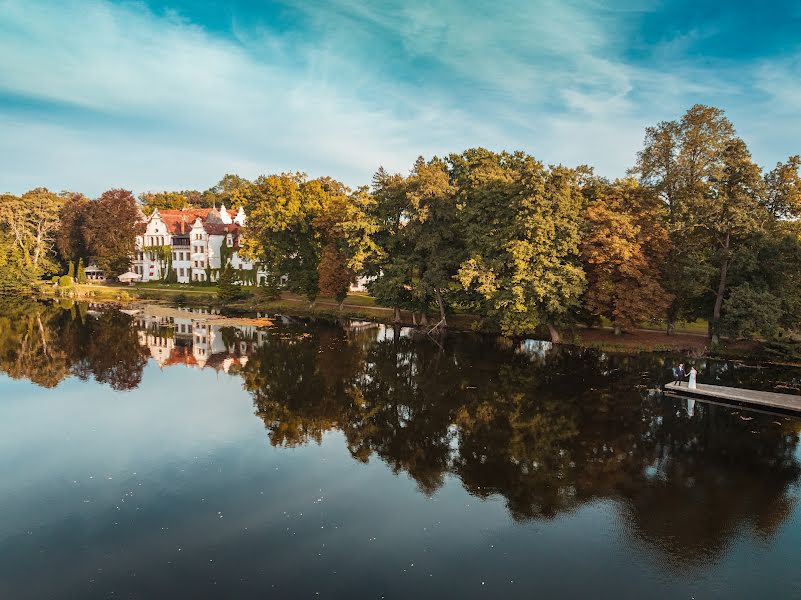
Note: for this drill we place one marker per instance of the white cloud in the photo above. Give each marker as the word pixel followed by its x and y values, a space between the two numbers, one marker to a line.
pixel 153 101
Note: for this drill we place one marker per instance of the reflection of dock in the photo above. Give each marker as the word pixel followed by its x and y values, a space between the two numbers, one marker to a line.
pixel 770 401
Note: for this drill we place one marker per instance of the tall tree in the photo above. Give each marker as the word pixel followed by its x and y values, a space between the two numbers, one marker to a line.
pixel 109 230
pixel 624 249
pixel 680 160
pixel 32 221
pixel 522 229
pixel 436 240
pixel 388 266
pixel 69 238
pixel 334 275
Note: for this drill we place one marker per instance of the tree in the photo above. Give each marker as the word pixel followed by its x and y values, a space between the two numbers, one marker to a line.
pixel 727 216
pixel 70 241
pixel 109 230
pixel 334 275
pixel 228 286
pixel 435 238
pixel 388 266
pixel 232 190
pixel 521 223
pixel 71 270
pixel 623 251
pixel 81 272
pixel 679 161
pixel 32 221
pixel 15 276
pixel 163 201
pixel 279 233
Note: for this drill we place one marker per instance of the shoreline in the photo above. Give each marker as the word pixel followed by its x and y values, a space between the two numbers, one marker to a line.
pixel 358 307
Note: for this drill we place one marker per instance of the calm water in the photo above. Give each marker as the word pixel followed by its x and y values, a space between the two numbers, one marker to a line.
pixel 158 455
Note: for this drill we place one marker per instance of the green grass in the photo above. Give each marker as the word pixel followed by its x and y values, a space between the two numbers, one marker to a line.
pixel 699 326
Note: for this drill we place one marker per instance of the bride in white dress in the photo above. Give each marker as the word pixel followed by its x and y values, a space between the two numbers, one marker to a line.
pixel 693 375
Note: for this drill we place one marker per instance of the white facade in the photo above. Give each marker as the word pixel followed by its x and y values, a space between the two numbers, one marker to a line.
pixel 190 241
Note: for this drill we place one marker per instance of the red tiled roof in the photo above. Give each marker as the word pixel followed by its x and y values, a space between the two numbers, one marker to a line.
pixel 180 221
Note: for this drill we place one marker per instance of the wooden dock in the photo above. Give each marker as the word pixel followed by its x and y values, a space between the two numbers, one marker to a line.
pixel 718 394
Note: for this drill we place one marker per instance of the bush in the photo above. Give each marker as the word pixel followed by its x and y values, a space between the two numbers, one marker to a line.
pixel 65 281
pixel 81 272
pixel 228 288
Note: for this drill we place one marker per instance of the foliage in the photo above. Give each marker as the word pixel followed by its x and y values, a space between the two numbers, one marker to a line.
pixel 81 272
pixel 718 203
pixel 334 275
pixel 623 250
pixel 31 222
pixel 228 288
pixel 521 224
pixel 65 281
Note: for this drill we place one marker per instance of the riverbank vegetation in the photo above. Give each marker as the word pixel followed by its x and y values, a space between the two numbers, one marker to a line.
pixel 695 230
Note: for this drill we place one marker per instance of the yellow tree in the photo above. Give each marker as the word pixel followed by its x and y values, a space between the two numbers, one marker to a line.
pixel 624 251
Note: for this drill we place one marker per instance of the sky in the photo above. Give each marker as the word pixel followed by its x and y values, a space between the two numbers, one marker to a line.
pixel 151 95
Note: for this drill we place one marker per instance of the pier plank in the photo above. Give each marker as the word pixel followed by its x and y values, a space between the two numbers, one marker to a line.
pixel 740 396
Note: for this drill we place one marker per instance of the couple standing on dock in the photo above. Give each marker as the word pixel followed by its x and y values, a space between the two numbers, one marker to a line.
pixel 681 374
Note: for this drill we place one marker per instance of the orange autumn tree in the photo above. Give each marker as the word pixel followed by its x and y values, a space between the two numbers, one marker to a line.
pixel 624 251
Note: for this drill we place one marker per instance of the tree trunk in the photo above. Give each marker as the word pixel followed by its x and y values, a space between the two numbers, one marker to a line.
pixel 555 337
pixel 443 321
pixel 714 337
pixel 617 329
pixel 423 319
pixel 397 318
pixel 671 327
pixel 414 319
pixel 341 304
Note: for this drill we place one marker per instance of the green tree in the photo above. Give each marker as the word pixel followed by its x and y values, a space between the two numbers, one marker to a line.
pixel 31 221
pixel 228 286
pixel 70 241
pixel 389 266
pixel 521 223
pixel 679 161
pixel 81 272
pixel 433 233
pixel 163 201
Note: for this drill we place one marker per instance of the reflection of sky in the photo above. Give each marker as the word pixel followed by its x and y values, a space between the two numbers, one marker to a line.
pixel 173 489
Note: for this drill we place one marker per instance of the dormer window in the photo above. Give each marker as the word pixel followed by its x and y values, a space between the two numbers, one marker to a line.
pixel 229 241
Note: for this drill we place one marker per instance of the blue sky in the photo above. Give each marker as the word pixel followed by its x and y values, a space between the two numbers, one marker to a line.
pixel 172 94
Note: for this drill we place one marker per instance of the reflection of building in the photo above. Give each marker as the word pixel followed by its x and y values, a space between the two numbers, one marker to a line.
pixel 187 337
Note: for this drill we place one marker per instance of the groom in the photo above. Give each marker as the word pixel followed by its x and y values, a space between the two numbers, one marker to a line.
pixel 679 374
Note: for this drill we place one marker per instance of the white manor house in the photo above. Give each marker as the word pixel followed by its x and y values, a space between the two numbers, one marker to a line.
pixel 192 242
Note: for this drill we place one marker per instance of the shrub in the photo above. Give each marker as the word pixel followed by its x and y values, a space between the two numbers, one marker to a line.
pixel 65 281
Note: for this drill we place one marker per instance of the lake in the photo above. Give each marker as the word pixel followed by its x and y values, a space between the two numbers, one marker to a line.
pixel 168 453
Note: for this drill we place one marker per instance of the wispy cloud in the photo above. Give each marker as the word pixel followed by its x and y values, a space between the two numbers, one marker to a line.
pixel 95 94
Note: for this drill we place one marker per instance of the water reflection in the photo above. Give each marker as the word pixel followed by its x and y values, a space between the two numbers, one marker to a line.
pixel 548 429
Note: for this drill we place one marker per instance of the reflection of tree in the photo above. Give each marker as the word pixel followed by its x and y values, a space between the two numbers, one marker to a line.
pixel 28 345
pixel 547 433
pixel 107 348
pixel 45 343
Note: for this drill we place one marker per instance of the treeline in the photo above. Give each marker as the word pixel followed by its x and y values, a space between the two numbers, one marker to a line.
pixel 694 230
